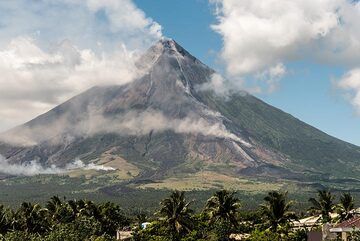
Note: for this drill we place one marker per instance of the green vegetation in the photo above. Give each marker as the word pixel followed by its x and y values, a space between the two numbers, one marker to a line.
pixel 221 219
pixel 345 207
pixel 323 206
pixel 59 219
pixel 176 214
pixel 277 210
pixel 310 150
pixel 223 206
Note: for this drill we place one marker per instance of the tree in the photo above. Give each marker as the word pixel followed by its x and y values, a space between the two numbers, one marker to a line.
pixel 111 218
pixel 88 209
pixel 345 208
pixel 59 211
pixel 32 218
pixel 5 219
pixel 83 208
pixel 176 213
pixel 323 206
pixel 276 210
pixel 223 206
pixel 74 209
pixel 140 217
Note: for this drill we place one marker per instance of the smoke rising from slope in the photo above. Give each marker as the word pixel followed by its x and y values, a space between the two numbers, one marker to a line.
pixel 131 123
pixel 141 123
pixel 33 168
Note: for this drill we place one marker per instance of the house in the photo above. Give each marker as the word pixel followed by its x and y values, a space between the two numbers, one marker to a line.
pixel 328 231
pixel 345 228
pixel 127 234
pixel 123 235
pixel 310 223
pixel 316 231
pixel 239 236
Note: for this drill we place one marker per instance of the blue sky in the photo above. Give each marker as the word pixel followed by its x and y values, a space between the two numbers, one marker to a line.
pixel 302 56
pixel 307 92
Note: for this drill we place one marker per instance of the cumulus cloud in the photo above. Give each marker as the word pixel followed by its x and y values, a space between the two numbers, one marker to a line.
pixel 87 23
pixel 261 37
pixel 33 168
pixel 33 80
pixel 54 49
pixel 350 83
pixel 125 18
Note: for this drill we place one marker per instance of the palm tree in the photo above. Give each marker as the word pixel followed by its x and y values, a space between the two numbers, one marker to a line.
pixel 5 219
pixel 58 210
pixel 276 210
pixel 223 206
pixel 323 206
pixel 53 204
pixel 83 208
pixel 32 218
pixel 176 213
pixel 345 208
pixel 140 217
pixel 89 209
pixel 74 209
pixel 111 218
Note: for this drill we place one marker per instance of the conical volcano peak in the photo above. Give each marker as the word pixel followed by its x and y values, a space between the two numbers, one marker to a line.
pixel 165 47
pixel 169 45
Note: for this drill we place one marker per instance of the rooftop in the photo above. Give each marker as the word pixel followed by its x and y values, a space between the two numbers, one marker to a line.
pixel 351 223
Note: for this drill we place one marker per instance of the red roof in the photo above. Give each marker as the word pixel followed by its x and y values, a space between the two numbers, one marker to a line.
pixel 351 223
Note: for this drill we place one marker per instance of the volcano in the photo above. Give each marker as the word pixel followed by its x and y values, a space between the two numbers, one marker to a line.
pixel 164 124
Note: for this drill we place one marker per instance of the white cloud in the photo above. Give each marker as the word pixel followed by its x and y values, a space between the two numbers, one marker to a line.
pixel 131 123
pixel 350 83
pixel 85 22
pixel 272 76
pixel 217 83
pixel 124 16
pixel 32 80
pixel 54 49
pixel 261 37
pixel 141 123
pixel 33 168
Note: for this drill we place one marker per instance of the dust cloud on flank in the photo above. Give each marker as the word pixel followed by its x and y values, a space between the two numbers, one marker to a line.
pixel 33 168
pixel 141 123
pixel 63 131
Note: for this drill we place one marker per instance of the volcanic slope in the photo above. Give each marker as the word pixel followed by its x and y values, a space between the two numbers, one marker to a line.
pixel 166 124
